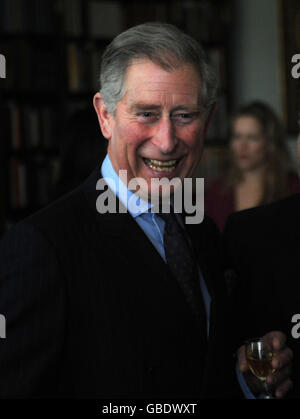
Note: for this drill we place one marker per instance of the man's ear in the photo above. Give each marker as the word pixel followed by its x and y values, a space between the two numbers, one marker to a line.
pixel 105 119
pixel 209 118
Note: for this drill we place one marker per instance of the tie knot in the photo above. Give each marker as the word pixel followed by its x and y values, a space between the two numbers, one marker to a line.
pixel 172 224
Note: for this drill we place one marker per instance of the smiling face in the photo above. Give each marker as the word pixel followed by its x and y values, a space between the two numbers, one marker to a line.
pixel 248 144
pixel 159 124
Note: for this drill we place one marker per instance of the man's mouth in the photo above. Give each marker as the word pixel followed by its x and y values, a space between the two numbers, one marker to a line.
pixel 160 165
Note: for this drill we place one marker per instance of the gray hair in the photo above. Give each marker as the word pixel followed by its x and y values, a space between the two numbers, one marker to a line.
pixel 163 44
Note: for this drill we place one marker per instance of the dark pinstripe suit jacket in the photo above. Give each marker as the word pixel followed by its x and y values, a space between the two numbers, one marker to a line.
pixel 92 309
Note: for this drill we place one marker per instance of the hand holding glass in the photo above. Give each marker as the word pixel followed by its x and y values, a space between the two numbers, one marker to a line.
pixel 259 355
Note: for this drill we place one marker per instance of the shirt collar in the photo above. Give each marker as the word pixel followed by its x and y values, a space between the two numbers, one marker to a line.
pixel 121 190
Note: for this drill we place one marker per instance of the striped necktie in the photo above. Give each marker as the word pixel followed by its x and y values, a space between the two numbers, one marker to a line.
pixel 183 265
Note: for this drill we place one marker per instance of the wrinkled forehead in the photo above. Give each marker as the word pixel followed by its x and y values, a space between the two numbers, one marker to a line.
pixel 149 81
pixel 159 93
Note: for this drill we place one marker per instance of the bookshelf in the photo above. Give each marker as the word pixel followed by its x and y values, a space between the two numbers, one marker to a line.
pixel 53 51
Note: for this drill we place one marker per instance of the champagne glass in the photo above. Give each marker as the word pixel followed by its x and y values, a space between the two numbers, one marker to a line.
pixel 259 355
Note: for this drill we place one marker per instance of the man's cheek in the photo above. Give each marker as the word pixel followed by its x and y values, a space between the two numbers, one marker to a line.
pixel 194 135
pixel 198 146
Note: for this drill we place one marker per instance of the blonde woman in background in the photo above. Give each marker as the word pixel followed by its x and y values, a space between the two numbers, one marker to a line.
pixel 259 168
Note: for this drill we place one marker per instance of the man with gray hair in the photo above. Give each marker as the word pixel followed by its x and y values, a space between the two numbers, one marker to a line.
pixel 127 303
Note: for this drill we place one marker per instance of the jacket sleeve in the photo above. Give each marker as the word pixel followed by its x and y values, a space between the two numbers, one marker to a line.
pixel 32 303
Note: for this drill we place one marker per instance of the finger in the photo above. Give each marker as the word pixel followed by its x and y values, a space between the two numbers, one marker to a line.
pixel 279 376
pixel 243 365
pixel 283 389
pixel 278 340
pixel 282 358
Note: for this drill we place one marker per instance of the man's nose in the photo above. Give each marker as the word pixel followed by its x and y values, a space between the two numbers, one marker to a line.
pixel 164 136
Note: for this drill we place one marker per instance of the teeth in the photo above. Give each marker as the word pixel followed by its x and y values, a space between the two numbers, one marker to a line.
pixel 161 166
pixel 160 169
pixel 163 163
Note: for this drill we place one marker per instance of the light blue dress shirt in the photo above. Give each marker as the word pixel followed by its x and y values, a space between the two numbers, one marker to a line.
pixel 153 227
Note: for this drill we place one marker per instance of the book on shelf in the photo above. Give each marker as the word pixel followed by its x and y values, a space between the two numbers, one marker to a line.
pixel 28 16
pixel 31 127
pixel 28 127
pixel 14 118
pixel 45 69
pixel 31 66
pixel 73 67
pixel 138 12
pixel 72 16
pixel 83 65
pixel 105 18
pixel 31 184
pixel 18 184
pixel 207 20
pixel 17 55
pixel 197 18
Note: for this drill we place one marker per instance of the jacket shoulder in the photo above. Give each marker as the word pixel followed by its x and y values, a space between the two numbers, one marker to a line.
pixel 266 213
pixel 268 222
pixel 63 222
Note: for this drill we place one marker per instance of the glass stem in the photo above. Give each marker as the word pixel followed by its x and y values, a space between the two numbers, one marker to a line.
pixel 268 392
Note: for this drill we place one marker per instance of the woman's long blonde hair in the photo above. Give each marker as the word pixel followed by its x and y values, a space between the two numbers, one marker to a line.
pixel 278 160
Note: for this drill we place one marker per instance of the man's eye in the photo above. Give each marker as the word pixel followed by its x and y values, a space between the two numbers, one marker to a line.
pixel 184 117
pixel 147 116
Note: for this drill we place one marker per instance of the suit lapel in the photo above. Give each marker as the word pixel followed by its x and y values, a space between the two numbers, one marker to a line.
pixel 137 249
